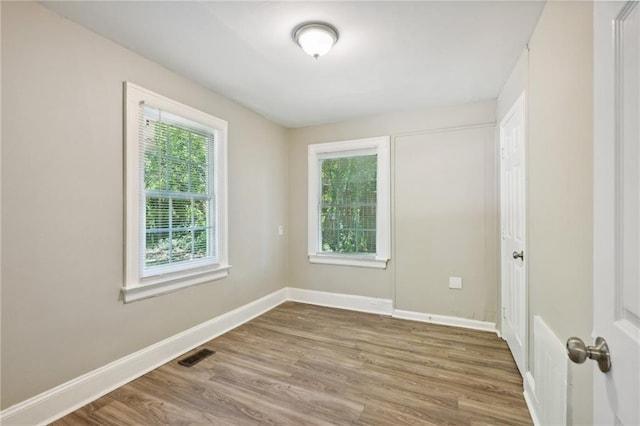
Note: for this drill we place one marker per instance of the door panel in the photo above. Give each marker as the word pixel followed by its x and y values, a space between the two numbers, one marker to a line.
pixel 514 284
pixel 629 154
pixel 617 209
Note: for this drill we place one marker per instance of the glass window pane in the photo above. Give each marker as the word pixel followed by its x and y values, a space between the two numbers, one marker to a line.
pixel 200 213
pixel 155 171
pixel 157 213
pixel 199 148
pixel 199 179
pixel 179 144
pixel 200 244
pixel 151 170
pixel 348 204
pixel 182 246
pixel 158 249
pixel 181 213
pixel 178 176
pixel 162 139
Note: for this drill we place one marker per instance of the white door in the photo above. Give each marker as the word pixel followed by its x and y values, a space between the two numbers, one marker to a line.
pixel 616 394
pixel 513 226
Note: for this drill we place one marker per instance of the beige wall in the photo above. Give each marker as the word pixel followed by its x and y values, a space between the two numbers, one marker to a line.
pixel 62 198
pixel 560 180
pixel 421 282
pixel 446 223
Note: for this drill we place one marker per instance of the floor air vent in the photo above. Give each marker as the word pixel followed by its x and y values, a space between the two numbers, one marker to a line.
pixel 192 360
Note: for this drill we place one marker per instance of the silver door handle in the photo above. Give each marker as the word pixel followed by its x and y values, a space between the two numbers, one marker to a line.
pixel 518 255
pixel 578 352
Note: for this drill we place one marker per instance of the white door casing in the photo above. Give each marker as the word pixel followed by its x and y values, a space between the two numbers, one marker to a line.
pixel 616 287
pixel 513 229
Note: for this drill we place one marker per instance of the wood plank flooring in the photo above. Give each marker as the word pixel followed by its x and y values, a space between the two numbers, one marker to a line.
pixel 307 365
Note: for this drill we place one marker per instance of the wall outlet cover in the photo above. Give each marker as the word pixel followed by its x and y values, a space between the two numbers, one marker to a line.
pixel 455 282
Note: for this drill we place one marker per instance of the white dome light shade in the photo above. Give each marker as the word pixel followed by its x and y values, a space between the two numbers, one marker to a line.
pixel 316 39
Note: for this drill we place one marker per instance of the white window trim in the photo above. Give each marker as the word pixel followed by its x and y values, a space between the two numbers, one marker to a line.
pixel 316 152
pixel 137 287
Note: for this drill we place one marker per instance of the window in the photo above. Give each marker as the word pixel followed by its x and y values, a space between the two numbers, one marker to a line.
pixel 176 228
pixel 349 203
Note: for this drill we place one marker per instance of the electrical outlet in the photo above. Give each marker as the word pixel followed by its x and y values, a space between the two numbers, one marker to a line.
pixel 455 282
pixel 280 230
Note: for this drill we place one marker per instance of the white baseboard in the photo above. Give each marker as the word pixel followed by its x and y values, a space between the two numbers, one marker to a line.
pixel 67 397
pixel 381 306
pixel 530 398
pixel 445 320
pixel 342 301
pixel 61 400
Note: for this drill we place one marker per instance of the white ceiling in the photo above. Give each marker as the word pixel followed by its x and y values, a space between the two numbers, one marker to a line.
pixel 391 56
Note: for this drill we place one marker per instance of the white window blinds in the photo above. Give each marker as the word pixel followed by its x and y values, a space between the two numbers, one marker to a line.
pixel 348 204
pixel 177 194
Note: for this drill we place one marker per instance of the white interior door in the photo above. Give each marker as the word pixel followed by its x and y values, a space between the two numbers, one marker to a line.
pixel 513 226
pixel 616 394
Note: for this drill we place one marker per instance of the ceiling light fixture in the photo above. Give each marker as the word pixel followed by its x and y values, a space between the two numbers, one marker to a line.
pixel 315 38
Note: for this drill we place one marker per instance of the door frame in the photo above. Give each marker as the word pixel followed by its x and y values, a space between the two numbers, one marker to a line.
pixel 520 100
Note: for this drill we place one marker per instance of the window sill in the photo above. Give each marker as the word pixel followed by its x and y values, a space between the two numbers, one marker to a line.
pixel 156 286
pixel 362 262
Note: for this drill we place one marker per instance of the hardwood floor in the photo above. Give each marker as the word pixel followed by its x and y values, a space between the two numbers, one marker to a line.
pixel 307 365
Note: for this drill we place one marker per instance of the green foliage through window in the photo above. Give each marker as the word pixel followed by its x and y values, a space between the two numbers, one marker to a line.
pixel 178 197
pixel 348 205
